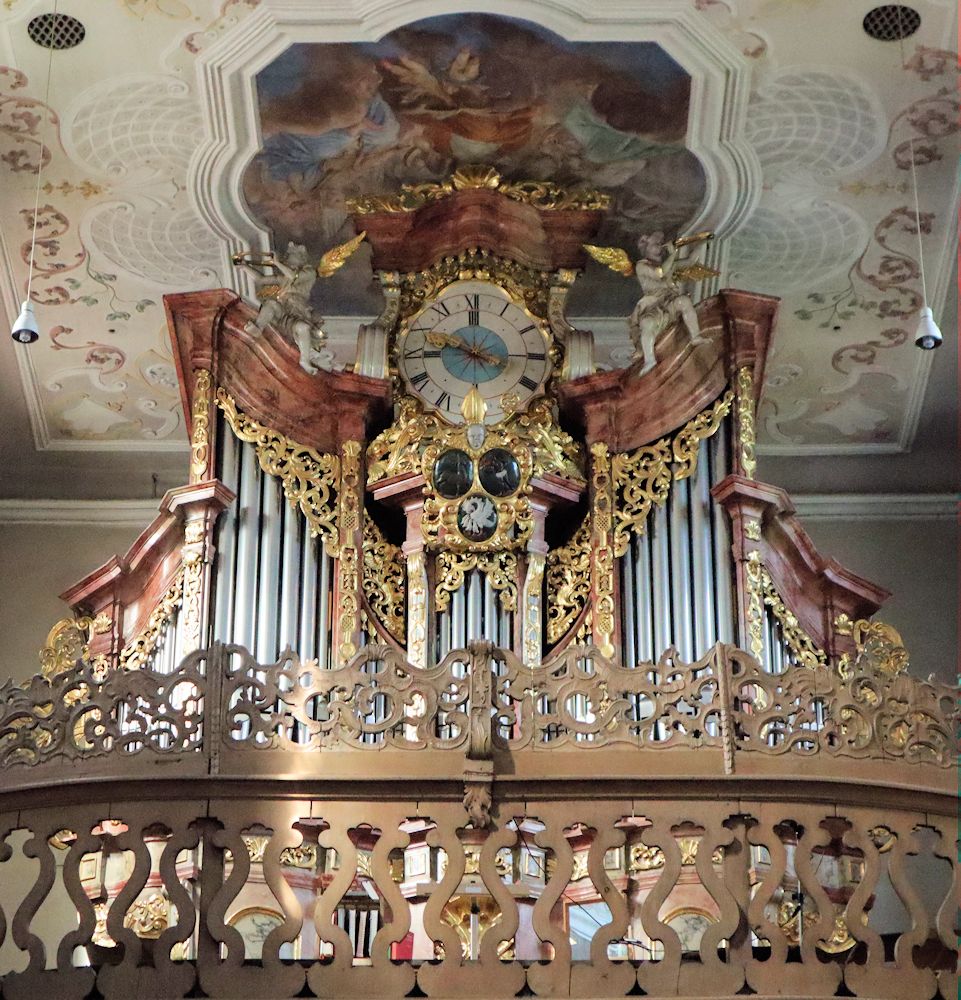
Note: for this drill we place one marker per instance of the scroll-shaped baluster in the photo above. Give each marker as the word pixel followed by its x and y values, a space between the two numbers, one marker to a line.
pixel 947 849
pixel 714 977
pixel 661 976
pixel 904 978
pixel 121 980
pixel 435 980
pixel 552 978
pixel 855 915
pixel 23 985
pixel 505 929
pixel 815 975
pixel 764 976
pixel 336 837
pixel 382 977
pixel 613 977
pixel 178 974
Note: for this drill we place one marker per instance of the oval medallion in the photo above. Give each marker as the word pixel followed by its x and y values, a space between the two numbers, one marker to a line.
pixel 453 474
pixel 477 518
pixel 499 472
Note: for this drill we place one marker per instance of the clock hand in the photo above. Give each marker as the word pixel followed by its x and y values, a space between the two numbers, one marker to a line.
pixel 437 338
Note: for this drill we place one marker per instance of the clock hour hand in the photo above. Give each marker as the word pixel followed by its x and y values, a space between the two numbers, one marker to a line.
pixel 437 338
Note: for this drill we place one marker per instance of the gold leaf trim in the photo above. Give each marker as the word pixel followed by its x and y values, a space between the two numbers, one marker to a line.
pixel 200 422
pixel 745 420
pixel 806 651
pixel 68 641
pixel 568 582
pixel 879 648
pixel 310 478
pixel 384 580
pixel 138 651
pixel 544 195
pixel 500 568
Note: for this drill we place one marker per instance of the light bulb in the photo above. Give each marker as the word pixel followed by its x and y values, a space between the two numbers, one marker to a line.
pixel 25 330
pixel 928 336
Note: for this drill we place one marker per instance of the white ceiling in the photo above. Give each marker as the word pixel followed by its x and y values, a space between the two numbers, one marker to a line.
pixel 802 121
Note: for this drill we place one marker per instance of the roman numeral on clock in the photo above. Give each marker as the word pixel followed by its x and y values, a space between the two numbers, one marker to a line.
pixel 528 383
pixel 443 401
pixel 473 310
pixel 419 379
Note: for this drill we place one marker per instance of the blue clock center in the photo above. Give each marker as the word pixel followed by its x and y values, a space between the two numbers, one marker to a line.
pixel 479 356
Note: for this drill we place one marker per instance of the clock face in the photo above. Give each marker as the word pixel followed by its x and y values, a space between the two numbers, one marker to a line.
pixel 473 334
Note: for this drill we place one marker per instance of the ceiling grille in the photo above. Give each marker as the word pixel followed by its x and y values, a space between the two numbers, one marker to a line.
pixel 56 31
pixel 891 22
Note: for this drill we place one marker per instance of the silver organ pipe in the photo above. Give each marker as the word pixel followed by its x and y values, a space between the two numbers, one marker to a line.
pixel 272 578
pixel 718 455
pixel 268 567
pixel 677 577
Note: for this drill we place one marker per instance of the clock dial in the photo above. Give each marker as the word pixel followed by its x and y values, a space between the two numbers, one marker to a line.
pixel 473 334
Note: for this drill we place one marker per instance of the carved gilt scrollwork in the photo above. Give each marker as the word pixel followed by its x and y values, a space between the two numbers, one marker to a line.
pixel 747 435
pixel 137 652
pixel 500 568
pixel 68 642
pixel 200 425
pixel 544 195
pixel 804 649
pixel 384 580
pixel 642 478
pixel 568 582
pixel 310 478
pixel 349 515
pixel 879 646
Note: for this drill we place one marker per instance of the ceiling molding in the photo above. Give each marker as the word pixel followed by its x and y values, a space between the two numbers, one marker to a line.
pixel 102 513
pixel 877 506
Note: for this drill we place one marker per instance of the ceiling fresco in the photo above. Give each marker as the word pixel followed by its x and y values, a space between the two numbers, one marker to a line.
pixel 343 120
pixel 378 95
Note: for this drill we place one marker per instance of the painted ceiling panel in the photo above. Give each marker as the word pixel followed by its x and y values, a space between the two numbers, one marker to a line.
pixel 576 91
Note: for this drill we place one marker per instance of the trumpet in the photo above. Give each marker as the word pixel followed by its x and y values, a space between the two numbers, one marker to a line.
pixel 255 258
pixel 683 241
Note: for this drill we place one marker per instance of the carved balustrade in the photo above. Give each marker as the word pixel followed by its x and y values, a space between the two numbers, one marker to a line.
pixel 575 828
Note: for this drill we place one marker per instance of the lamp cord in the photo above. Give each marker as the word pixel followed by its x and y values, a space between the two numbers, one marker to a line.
pixel 914 169
pixel 43 148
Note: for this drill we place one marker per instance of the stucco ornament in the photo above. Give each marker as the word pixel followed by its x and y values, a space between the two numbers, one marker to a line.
pixel 284 289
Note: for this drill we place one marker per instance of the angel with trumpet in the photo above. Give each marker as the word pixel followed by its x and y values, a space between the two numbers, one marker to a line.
pixel 283 290
pixel 660 269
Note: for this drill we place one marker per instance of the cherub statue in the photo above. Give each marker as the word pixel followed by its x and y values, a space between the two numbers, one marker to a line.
pixel 285 304
pixel 659 271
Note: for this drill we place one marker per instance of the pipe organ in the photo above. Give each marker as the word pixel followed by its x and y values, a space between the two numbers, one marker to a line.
pixel 447 658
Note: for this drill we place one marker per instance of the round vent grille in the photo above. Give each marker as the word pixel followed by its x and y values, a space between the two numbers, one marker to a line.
pixel 891 22
pixel 56 31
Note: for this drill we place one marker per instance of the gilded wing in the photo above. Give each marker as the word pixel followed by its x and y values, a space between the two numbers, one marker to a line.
pixel 693 272
pixel 613 257
pixel 336 257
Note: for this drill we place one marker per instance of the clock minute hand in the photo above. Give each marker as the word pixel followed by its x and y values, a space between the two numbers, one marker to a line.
pixel 437 338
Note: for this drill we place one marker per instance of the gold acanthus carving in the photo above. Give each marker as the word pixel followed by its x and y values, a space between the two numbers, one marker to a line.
pixel 568 582
pixel 602 543
pixel 527 286
pixel 500 568
pixel 806 651
pixel 642 858
pixel 136 653
pixel 304 856
pixel 193 553
pixel 879 648
pixel 68 641
pixel 533 587
pixel 642 478
pixel 350 517
pixel 544 195
pixel 755 605
pixel 310 478
pixel 417 610
pixel 745 420
pixel 200 423
pixel 384 580
pixel 149 917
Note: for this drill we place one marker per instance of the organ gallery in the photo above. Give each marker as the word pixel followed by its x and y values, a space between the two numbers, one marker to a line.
pixel 465 667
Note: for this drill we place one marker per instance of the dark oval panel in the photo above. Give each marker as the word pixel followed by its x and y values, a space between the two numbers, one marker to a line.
pixel 499 472
pixel 477 517
pixel 453 474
